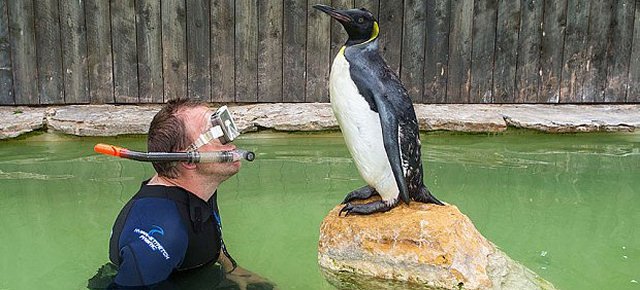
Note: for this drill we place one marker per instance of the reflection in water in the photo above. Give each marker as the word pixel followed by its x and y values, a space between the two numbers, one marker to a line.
pixel 563 205
pixel 208 277
pixel 30 175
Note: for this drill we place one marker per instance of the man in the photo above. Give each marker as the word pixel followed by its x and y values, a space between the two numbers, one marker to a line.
pixel 172 224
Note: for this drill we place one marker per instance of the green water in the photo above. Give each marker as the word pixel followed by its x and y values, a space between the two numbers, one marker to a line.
pixel 566 206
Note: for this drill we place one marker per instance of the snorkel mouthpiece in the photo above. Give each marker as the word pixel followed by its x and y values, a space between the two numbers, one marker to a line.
pixel 225 156
pixel 192 156
pixel 245 154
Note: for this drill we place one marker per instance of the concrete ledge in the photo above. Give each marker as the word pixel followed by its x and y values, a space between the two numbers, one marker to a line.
pixel 101 120
pixel 573 118
pixel 15 121
pixel 111 120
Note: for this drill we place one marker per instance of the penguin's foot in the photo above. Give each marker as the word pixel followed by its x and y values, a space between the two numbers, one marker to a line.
pixel 368 208
pixel 360 194
pixel 424 195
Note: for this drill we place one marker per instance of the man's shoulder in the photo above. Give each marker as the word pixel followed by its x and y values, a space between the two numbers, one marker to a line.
pixel 152 242
pixel 156 213
pixel 155 207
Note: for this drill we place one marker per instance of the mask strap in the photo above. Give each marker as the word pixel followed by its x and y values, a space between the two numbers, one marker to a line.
pixel 206 137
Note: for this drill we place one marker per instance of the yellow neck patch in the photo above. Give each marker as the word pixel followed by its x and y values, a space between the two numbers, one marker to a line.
pixel 374 33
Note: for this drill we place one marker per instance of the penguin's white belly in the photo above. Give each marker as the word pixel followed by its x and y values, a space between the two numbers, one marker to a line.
pixel 361 130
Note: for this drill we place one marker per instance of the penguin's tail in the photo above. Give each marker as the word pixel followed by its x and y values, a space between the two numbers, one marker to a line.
pixel 425 196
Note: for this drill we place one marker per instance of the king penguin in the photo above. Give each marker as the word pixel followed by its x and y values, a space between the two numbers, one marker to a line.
pixel 377 119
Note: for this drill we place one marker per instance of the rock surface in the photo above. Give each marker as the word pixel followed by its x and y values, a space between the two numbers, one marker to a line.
pixel 15 121
pixel 460 118
pixel 285 117
pixel 573 118
pixel 110 120
pixel 102 120
pixel 420 246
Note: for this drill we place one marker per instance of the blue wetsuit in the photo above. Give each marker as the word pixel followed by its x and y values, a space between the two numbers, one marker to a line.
pixel 162 230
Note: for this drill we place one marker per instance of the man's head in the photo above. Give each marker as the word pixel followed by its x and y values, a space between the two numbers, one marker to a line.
pixel 175 127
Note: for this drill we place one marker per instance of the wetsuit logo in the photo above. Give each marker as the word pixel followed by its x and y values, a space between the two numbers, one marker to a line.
pixel 156 229
pixel 154 244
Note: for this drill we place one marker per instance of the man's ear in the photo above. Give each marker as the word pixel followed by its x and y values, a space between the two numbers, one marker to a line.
pixel 188 165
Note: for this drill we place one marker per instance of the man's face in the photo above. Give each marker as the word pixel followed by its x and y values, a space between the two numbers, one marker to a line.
pixel 198 120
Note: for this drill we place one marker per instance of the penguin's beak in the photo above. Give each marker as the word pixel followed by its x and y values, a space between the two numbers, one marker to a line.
pixel 336 14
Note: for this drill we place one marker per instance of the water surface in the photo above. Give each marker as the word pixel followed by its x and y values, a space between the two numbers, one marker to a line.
pixel 566 206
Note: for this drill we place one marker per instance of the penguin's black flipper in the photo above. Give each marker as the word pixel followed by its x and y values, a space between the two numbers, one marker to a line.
pixel 377 83
pixel 389 123
pixel 360 193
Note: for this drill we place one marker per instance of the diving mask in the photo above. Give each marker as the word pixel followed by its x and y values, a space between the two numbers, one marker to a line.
pixel 222 128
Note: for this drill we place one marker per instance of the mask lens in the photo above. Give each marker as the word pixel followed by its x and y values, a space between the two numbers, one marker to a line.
pixel 222 118
pixel 222 128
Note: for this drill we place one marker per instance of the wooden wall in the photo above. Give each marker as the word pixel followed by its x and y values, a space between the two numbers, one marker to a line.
pixel 445 51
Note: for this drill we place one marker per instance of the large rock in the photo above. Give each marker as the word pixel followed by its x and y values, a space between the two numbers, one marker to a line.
pixel 420 246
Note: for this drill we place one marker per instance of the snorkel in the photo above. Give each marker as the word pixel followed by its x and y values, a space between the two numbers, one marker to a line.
pixel 223 128
pixel 191 156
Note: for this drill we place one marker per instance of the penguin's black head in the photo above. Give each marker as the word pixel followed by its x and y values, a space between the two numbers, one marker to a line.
pixel 359 23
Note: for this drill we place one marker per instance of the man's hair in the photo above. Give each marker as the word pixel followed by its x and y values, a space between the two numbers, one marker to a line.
pixel 167 133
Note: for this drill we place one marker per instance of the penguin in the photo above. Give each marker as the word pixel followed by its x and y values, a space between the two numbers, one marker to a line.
pixel 377 119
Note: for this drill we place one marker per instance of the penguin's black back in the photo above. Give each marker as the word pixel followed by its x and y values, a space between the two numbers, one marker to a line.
pixel 373 77
pixel 371 74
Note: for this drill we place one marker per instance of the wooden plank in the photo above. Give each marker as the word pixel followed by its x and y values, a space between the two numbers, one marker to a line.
pixel 149 43
pixel 597 43
pixel 460 49
pixel 318 53
pixel 529 37
pixel 125 56
pixel 633 93
pixel 372 5
pixel 270 50
pixel 338 35
pixel 246 51
pixel 552 42
pixel 575 55
pixel 619 53
pixel 6 81
pixel 49 52
pixel 174 50
pixel 413 48
pixel 391 15
pixel 484 37
pixel 74 52
pixel 436 68
pixel 198 66
pixel 506 55
pixel 22 41
pixel 222 51
pixel 99 57
pixel 294 49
